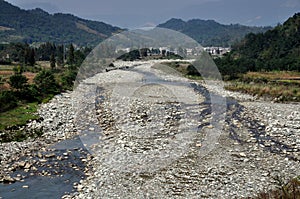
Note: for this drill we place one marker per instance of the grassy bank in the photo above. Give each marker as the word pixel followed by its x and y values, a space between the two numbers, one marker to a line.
pixel 18 116
pixel 280 85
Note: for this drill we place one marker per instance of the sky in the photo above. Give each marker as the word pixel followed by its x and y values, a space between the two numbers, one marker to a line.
pixel 138 13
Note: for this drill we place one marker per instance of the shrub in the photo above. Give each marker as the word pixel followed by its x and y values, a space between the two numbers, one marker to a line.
pixel 46 83
pixel 7 100
pixel 18 81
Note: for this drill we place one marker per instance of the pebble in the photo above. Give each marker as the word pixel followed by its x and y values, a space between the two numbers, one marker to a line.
pixel 234 169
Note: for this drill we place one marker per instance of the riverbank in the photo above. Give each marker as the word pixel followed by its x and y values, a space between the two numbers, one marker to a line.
pixel 130 121
pixel 277 86
pixel 250 156
pixel 49 165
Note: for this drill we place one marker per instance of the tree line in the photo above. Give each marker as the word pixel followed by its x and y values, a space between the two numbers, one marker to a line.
pixel 64 62
pixel 277 49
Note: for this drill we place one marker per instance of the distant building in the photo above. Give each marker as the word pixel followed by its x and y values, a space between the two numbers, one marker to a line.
pixel 217 51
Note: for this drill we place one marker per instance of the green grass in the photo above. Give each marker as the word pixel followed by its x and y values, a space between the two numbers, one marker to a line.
pixel 282 85
pixel 282 92
pixel 194 77
pixel 6 67
pixel 18 116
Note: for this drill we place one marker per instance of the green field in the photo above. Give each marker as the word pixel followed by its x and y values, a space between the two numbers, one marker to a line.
pixel 18 116
pixel 279 85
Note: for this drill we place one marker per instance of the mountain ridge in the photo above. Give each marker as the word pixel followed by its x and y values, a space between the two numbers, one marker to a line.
pixel 211 33
pixel 277 49
pixel 37 25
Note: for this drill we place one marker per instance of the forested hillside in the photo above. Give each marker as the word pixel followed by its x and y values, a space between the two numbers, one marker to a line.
pixel 39 26
pixel 276 49
pixel 211 33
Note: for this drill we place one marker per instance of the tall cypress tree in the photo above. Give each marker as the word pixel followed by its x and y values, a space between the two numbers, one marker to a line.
pixel 52 61
pixel 71 56
pixel 31 58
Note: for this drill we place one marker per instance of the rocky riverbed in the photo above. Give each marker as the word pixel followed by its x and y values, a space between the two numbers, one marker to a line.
pixel 153 134
pixel 48 166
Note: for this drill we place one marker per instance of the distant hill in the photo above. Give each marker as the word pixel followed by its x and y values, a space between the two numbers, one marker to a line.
pixel 211 33
pixel 39 26
pixel 276 49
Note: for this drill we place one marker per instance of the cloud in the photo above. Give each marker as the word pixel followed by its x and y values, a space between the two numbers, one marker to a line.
pixel 257 17
pixel 149 24
pixel 254 19
pixel 291 4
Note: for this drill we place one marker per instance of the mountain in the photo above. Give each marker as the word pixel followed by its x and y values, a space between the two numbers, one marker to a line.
pixel 211 33
pixel 39 26
pixel 276 49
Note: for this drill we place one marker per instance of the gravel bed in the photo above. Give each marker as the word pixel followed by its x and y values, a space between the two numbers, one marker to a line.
pixel 258 145
pixel 149 135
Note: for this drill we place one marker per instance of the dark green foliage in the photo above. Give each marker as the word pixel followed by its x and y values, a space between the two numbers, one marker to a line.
pixel 46 83
pixel 5 62
pixel 7 100
pixel 71 58
pixel 131 56
pixel 52 61
pixel 45 50
pixel 144 52
pixel 192 70
pixel 276 49
pixel 31 57
pixel 171 55
pixel 30 94
pixel 18 81
pixel 60 55
pixel 19 69
pixel 79 56
pixel 39 26
pixel 211 33
pixel 68 78
pixel 18 52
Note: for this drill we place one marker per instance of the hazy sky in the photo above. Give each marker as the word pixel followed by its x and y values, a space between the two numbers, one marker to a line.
pixel 138 13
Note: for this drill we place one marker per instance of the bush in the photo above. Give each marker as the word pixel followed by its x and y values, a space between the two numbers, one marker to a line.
pixel 68 78
pixel 30 94
pixel 18 81
pixel 7 100
pixel 46 83
pixel 191 70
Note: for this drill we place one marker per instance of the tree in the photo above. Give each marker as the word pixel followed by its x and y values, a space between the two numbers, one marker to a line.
pixel 26 55
pixel 71 56
pixel 31 58
pixel 52 61
pixel 18 81
pixel 78 57
pixel 68 79
pixel 46 83
pixel 60 55
pixel 144 52
pixel 7 100
pixel 18 70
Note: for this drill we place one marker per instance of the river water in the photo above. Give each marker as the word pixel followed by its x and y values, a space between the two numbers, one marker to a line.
pixel 61 174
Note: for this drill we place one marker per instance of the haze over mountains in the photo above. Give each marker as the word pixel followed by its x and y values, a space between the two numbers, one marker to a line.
pixel 210 32
pixel 39 26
